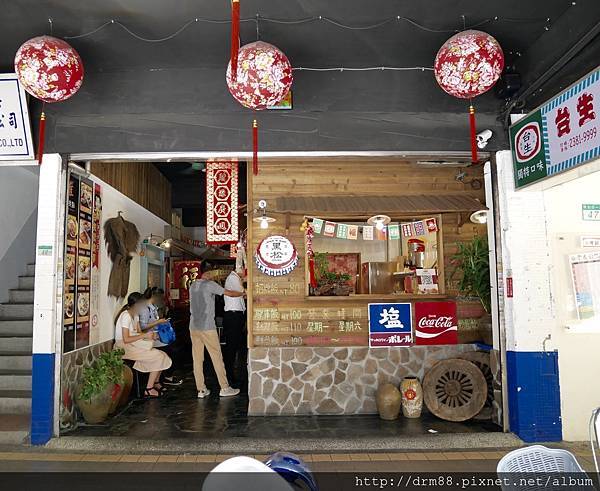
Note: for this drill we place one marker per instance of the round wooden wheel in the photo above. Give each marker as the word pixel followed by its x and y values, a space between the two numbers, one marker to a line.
pixel 482 361
pixel 454 390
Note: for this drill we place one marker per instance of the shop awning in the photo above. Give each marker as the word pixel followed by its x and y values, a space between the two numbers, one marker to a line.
pixel 371 205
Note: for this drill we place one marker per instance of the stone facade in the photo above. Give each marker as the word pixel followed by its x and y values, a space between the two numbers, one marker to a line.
pixel 72 367
pixel 288 381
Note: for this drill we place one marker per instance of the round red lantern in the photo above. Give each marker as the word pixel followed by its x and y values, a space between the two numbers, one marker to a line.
pixel 49 68
pixel 469 64
pixel 264 76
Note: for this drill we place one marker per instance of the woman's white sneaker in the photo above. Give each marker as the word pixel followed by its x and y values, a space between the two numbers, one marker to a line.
pixel 229 391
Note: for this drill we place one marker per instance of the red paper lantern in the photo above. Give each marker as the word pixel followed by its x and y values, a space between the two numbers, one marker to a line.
pixel 49 68
pixel 264 76
pixel 469 64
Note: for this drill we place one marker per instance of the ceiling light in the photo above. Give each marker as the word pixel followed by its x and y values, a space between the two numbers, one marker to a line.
pixel 380 221
pixel 263 219
pixel 479 217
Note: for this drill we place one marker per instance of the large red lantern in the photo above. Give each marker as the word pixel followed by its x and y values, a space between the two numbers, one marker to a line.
pixel 467 65
pixel 264 76
pixel 261 77
pixel 51 71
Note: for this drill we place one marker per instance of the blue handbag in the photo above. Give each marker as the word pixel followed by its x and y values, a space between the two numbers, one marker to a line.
pixel 166 333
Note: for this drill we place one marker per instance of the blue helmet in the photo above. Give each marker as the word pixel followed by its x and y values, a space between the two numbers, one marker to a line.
pixel 293 469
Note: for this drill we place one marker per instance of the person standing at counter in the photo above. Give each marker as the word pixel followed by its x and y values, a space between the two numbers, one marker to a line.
pixel 234 323
pixel 203 332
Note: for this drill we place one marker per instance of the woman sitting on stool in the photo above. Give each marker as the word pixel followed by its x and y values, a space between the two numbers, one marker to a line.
pixel 138 345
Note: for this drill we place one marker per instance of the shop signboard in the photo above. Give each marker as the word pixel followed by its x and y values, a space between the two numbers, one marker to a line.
pixel 184 274
pixel 15 127
pixel 436 323
pixel 390 324
pixel 560 135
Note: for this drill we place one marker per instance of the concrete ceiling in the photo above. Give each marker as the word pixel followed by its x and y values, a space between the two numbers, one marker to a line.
pixel 142 96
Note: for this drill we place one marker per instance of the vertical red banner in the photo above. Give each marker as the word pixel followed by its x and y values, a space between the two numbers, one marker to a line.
pixel 222 203
pixel 436 323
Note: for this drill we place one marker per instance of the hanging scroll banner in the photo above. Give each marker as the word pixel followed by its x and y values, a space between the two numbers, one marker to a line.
pixel 222 203
pixel 276 256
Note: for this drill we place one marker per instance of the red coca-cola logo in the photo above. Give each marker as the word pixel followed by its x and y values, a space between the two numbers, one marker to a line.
pixel 436 322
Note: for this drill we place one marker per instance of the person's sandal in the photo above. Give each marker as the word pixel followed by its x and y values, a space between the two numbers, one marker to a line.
pixel 152 396
pixel 160 388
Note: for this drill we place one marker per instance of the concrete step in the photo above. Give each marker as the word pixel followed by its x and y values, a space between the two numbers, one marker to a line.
pixel 13 311
pixel 15 361
pixel 31 270
pixel 20 296
pixel 15 379
pixel 13 344
pixel 14 428
pixel 26 282
pixel 16 328
pixel 15 401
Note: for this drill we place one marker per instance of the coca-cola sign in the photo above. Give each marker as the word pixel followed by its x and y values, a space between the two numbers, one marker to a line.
pixel 436 323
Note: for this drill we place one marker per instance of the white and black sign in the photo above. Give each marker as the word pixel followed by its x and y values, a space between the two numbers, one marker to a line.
pixel 15 127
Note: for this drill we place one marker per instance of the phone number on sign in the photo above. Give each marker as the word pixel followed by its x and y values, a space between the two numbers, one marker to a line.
pixel 11 142
pixel 579 139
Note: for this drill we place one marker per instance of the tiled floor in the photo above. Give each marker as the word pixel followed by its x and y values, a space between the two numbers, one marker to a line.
pixel 181 415
pixel 450 461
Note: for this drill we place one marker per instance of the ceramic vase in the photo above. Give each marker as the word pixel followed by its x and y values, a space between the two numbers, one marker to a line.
pixel 389 401
pixel 95 410
pixel 412 397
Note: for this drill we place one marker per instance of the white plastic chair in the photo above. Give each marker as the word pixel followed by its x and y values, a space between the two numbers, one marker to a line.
pixel 594 435
pixel 536 460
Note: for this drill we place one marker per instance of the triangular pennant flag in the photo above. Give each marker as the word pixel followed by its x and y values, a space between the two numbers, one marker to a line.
pixel 342 231
pixel 431 225
pixel 407 230
pixel 394 231
pixel 419 228
pixel 367 232
pixel 329 229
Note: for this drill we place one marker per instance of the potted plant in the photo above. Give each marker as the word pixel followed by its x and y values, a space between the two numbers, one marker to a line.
pixel 329 282
pixel 116 375
pixel 472 260
pixel 97 390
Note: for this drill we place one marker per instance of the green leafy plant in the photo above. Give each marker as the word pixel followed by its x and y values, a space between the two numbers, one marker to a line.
pixel 322 273
pixel 473 261
pixel 105 370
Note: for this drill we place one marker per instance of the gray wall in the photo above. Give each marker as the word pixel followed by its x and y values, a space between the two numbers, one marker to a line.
pixel 18 223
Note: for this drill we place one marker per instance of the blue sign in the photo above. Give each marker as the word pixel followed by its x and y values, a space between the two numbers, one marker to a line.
pixel 390 324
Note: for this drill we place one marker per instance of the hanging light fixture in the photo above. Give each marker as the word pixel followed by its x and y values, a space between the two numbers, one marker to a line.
pixel 379 221
pixel 263 219
pixel 479 217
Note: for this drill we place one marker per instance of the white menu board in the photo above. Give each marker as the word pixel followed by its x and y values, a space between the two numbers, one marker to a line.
pixel 15 127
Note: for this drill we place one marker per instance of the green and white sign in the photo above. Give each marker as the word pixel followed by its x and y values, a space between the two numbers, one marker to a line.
pixel 560 135
pixel 590 212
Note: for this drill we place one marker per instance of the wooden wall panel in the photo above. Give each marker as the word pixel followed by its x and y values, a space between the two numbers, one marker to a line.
pixel 140 181
pixel 281 314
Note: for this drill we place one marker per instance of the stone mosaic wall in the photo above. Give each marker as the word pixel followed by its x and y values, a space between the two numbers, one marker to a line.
pixel 287 381
pixel 73 364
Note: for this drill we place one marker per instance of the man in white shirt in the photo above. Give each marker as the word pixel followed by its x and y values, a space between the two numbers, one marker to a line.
pixel 234 329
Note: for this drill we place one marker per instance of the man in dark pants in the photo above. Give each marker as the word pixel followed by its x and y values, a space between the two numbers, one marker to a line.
pixel 234 330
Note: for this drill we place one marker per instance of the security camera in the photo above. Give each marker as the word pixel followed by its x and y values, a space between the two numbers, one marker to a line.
pixel 483 138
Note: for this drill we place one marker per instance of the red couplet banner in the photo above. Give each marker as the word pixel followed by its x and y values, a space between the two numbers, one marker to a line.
pixel 436 323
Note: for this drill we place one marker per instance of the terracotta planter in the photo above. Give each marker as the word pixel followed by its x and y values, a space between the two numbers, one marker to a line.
pixel 96 409
pixel 412 397
pixel 389 401
pixel 126 386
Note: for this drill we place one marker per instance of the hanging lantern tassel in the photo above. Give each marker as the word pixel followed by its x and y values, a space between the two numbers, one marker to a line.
pixel 41 137
pixel 311 272
pixel 255 147
pixel 474 158
pixel 235 36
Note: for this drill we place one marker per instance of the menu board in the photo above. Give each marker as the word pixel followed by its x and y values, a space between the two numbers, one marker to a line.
pixel 81 258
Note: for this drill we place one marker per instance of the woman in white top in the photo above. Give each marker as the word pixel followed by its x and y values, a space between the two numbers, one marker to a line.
pixel 138 345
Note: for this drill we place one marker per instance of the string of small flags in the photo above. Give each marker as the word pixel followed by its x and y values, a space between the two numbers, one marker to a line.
pixel 392 231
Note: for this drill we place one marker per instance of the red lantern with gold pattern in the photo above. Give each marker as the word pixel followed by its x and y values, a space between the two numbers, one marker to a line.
pixel 468 65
